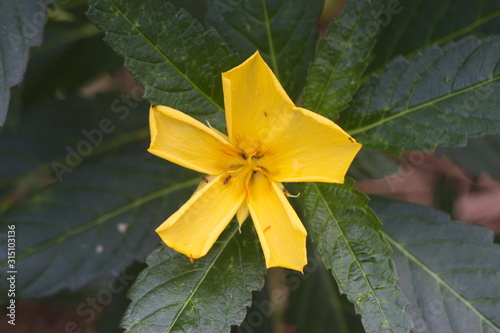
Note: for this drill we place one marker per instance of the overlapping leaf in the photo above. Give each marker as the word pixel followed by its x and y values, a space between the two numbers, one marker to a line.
pixel 439 97
pixel 480 155
pixel 341 58
pixel 168 52
pixel 282 30
pixel 22 28
pixel 450 271
pixel 58 137
pixel 348 236
pixel 372 164
pixel 100 219
pixel 210 295
pixel 412 25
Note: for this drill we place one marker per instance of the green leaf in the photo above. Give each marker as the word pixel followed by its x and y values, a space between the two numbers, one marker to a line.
pixel 372 164
pixel 85 128
pixel 72 54
pixel 173 295
pixel 168 52
pixel 341 58
pixel 22 28
pixel 282 30
pixel 479 156
pixel 411 26
pixel 449 270
pixel 439 97
pixel 100 219
pixel 349 239
pixel 315 304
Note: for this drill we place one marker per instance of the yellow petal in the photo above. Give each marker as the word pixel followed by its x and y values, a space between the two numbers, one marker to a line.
pixel 242 213
pixel 195 227
pixel 185 141
pixel 280 231
pixel 255 103
pixel 312 148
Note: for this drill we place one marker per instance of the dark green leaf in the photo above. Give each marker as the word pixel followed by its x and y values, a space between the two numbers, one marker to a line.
pixel 168 52
pixel 72 54
pixel 349 239
pixel 100 219
pixel 413 25
pixel 479 156
pixel 22 28
pixel 450 271
pixel 282 30
pixel 441 96
pixel 372 164
pixel 315 304
pixel 56 138
pixel 341 59
pixel 173 295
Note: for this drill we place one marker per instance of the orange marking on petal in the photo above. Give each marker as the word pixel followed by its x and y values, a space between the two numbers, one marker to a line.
pixel 225 152
pixel 267 228
pixel 261 170
pixel 256 150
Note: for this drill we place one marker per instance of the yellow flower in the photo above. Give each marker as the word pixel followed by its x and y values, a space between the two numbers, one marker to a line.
pixel 269 141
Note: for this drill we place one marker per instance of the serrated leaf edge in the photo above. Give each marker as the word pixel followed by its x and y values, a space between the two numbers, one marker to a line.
pixel 436 277
pixel 104 217
pixel 325 202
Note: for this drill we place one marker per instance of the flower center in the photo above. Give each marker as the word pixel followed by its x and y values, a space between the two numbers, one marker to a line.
pixel 247 161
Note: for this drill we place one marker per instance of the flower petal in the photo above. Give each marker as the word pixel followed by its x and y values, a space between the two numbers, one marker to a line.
pixel 195 227
pixel 255 103
pixel 183 140
pixel 312 149
pixel 280 231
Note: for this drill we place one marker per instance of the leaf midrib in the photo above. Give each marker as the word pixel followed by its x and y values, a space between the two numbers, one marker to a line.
pixel 203 277
pixel 333 72
pixel 325 202
pixel 451 36
pixel 272 52
pixel 105 217
pixel 107 146
pixel 437 278
pixel 423 105
pixel 167 60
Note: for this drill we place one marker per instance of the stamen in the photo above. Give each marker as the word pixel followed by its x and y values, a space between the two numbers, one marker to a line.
pixel 191 258
pixel 227 179
pixel 205 179
pixel 287 194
